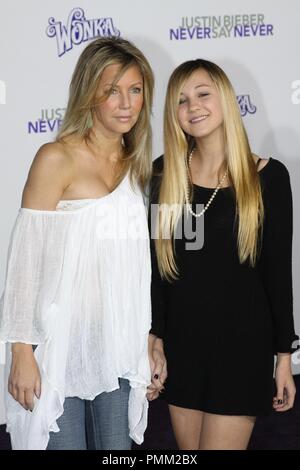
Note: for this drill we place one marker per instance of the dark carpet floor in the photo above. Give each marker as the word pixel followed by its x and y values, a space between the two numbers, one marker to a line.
pixel 279 431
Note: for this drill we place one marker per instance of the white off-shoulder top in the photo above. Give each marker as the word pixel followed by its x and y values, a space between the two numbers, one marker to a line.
pixel 78 286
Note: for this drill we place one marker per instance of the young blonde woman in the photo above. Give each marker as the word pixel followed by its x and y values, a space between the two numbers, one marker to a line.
pixel 221 312
pixel 79 270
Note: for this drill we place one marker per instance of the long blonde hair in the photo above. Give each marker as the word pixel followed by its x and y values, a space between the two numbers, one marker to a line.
pixel 176 184
pixel 82 98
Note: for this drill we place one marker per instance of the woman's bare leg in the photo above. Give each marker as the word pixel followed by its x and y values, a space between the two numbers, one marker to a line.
pixel 220 432
pixel 186 425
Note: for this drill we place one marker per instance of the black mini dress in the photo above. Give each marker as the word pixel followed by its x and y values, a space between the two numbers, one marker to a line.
pixel 222 321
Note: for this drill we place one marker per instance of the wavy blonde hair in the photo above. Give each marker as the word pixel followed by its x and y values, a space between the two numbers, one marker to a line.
pixel 176 184
pixel 82 98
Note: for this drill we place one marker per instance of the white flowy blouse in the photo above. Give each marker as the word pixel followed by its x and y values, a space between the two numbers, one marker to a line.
pixel 78 286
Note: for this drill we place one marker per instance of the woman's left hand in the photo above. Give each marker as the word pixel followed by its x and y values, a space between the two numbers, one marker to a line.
pixel 285 384
pixel 158 367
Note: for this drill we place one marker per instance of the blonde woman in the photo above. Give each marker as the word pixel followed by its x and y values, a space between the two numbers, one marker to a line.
pixel 79 271
pixel 222 311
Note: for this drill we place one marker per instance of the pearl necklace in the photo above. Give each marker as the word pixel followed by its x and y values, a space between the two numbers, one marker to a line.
pixel 211 198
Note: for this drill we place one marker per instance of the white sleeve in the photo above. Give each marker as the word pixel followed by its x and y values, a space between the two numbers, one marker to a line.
pixel 34 265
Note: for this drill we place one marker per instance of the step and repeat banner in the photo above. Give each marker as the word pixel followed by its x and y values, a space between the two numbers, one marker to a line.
pixel 256 42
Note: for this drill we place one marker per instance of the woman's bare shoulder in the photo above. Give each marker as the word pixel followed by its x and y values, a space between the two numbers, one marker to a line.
pixel 49 175
pixel 51 155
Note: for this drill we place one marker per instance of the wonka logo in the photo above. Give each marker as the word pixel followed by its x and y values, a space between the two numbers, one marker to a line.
pixel 78 29
pixel 245 105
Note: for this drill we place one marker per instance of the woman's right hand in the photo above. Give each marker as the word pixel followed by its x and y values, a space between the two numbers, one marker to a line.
pixel 24 380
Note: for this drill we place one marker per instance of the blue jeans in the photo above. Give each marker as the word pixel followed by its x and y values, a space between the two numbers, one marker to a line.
pixel 99 424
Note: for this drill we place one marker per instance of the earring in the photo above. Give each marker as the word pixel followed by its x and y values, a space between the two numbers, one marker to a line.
pixel 89 120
